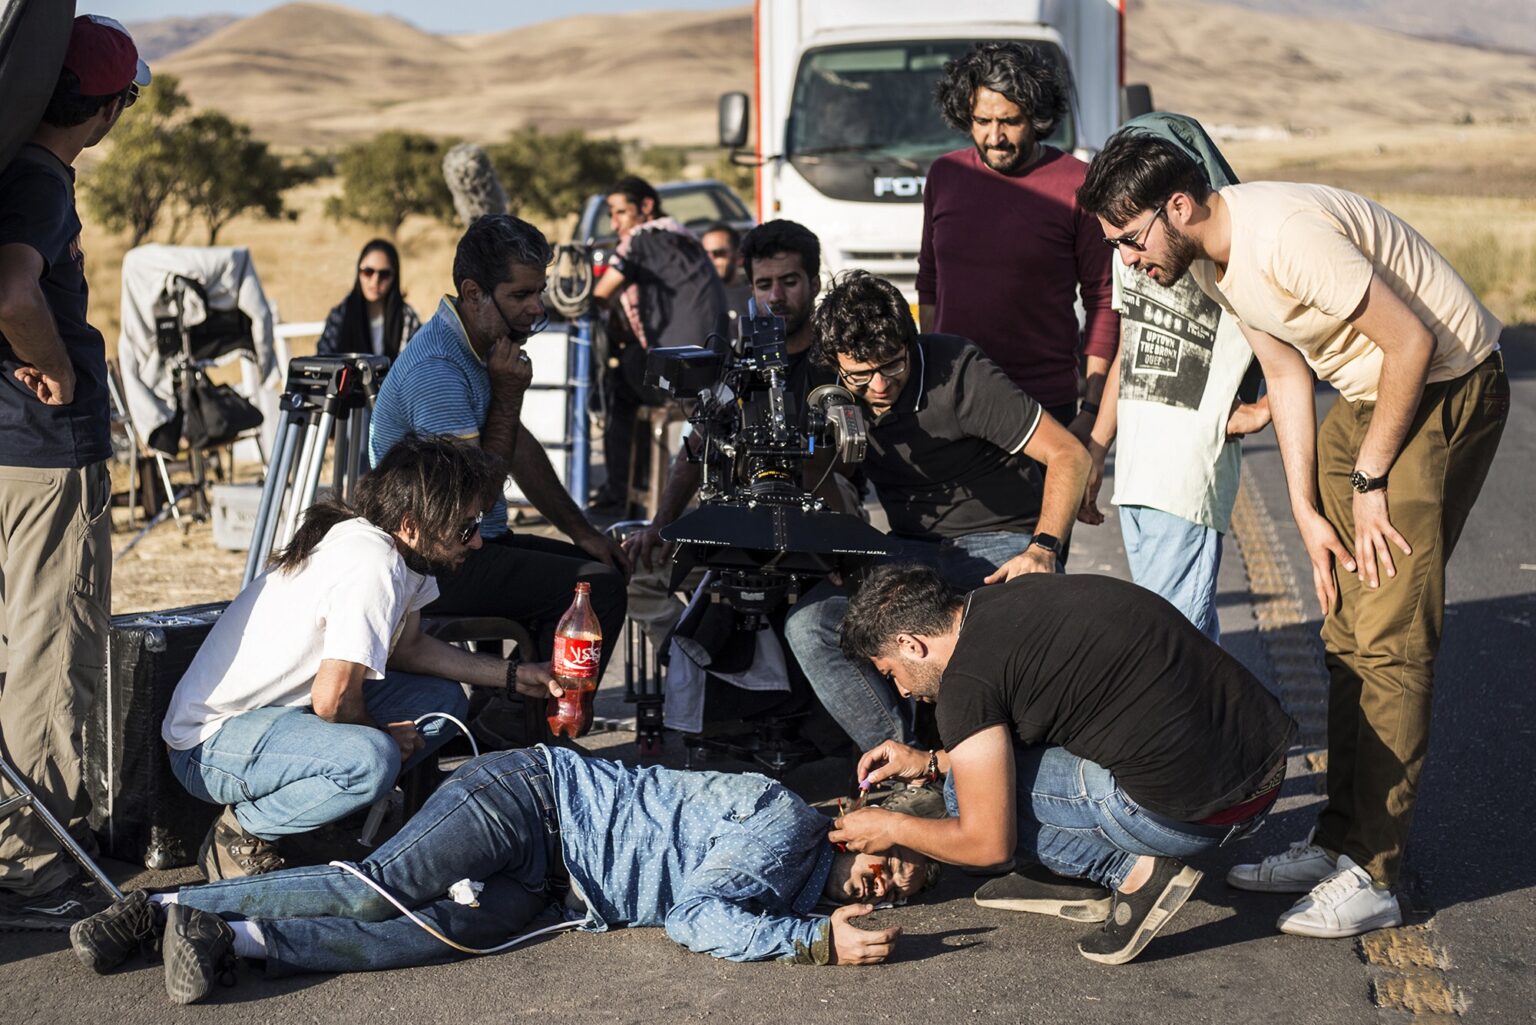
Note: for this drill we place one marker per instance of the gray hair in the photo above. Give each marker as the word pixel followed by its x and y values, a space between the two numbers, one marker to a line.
pixel 492 244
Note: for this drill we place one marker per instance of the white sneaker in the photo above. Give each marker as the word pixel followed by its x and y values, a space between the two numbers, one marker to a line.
pixel 1347 903
pixel 1295 870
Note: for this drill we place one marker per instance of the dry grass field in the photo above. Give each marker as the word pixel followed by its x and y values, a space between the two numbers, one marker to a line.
pixel 1445 135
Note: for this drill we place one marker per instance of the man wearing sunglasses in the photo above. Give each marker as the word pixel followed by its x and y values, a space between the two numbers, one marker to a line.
pixel 1325 281
pixel 301 706
pixel 952 447
pixel 55 543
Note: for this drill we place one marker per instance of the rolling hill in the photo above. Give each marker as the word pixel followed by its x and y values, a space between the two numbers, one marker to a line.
pixel 321 75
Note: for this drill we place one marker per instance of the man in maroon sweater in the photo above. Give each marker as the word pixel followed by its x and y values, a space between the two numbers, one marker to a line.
pixel 1005 246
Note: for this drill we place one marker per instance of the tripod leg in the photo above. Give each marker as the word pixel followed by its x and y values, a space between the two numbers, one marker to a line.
pixel 29 800
pixel 272 491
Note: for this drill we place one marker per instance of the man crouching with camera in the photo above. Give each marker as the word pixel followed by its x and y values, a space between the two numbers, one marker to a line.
pixel 950 444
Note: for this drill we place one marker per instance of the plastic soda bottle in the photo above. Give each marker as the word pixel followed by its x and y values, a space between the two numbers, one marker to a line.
pixel 578 653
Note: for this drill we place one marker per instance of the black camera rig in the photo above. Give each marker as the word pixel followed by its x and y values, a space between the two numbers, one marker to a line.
pixel 763 535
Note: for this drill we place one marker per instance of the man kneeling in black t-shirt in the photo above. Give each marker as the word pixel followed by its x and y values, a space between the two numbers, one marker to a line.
pixel 1138 742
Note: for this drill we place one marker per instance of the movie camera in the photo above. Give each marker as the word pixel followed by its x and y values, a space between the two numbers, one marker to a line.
pixel 763 535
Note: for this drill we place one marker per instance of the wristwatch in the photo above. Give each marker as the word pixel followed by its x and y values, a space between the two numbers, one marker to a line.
pixel 1363 484
pixel 1049 542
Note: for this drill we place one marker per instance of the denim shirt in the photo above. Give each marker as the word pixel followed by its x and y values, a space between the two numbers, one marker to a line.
pixel 731 865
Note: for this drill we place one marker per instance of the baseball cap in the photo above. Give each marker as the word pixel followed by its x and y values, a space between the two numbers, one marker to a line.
pixel 103 56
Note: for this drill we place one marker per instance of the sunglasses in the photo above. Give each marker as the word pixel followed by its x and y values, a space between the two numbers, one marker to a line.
pixel 1131 241
pixel 469 529
pixel 861 378
pixel 130 95
pixel 383 273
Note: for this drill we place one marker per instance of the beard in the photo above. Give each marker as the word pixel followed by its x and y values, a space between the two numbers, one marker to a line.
pixel 1174 263
pixel 428 564
pixel 1004 160
pixel 923 679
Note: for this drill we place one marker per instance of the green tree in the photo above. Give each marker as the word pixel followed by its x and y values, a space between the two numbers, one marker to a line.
pixel 743 180
pixel 131 189
pixel 228 173
pixel 551 175
pixel 663 163
pixel 391 176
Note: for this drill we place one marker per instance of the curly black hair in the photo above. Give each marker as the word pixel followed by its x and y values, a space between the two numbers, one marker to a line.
pixel 1135 172
pixel 864 317
pixel 896 598
pixel 1026 75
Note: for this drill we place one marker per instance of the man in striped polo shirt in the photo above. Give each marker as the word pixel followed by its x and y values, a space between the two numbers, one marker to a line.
pixel 464 374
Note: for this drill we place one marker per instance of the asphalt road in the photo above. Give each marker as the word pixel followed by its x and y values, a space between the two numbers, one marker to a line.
pixel 1219 961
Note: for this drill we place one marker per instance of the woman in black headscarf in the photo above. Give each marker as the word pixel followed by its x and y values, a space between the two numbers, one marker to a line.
pixel 374 317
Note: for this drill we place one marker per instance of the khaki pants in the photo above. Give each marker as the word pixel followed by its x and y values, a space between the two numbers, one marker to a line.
pixel 1381 644
pixel 55 577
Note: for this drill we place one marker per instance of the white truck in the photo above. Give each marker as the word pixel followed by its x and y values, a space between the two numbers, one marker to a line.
pixel 847 124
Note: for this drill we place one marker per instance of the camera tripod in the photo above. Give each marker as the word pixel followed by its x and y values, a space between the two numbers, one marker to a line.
pixel 328 399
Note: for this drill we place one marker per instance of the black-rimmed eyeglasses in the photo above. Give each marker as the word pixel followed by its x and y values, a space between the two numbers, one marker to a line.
pixel 861 378
pixel 1133 241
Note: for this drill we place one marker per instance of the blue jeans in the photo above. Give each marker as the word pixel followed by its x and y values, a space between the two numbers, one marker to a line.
pixel 1074 819
pixel 1177 559
pixel 867 707
pixel 493 821
pixel 286 770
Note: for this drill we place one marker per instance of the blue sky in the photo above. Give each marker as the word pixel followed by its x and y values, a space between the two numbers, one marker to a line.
pixel 433 15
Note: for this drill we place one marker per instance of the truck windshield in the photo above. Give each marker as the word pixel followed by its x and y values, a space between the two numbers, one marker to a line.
pixel 876 101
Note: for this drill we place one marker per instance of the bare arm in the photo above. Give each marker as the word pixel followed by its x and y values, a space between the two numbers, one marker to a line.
pixel 29 327
pixel 1066 475
pixel 510 372
pixel 925 318
pixel 536 477
pixel 419 652
pixel 983 834
pixel 645 547
pixel 1295 416
pixel 1407 346
pixel 607 285
pixel 337 696
pixel 1100 439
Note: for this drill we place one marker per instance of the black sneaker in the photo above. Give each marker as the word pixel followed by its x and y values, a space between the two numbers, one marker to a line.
pixel 1037 889
pixel 104 941
pixel 1136 917
pixel 926 801
pixel 54 911
pixel 229 852
pixel 197 953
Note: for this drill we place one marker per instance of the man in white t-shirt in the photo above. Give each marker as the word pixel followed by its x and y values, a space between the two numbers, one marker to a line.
pixel 301 705
pixel 1322 278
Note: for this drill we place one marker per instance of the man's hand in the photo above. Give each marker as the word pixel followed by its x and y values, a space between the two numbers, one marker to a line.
pixel 892 760
pixel 50 391
pixel 1081 427
pixel 1033 559
pixel 605 550
pixel 1247 418
pixel 510 369
pixel 646 547
pixel 407 737
pixel 1089 512
pixel 868 830
pixel 1373 529
pixel 537 680
pixel 1323 546
pixel 852 945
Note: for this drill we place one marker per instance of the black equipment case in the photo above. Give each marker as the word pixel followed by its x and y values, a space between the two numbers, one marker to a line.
pixel 139 810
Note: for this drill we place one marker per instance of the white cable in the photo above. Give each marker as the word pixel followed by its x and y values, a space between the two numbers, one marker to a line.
pixel 462 728
pixel 408 913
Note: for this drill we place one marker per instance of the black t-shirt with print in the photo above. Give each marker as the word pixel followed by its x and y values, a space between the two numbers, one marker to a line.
pixel 37 209
pixel 1118 676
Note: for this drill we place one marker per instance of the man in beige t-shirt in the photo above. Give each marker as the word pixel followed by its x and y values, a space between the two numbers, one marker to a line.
pixel 1324 279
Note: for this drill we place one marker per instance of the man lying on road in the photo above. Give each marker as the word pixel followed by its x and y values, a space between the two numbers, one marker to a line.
pixel 730 865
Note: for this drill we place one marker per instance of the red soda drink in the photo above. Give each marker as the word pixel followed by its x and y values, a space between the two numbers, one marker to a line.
pixel 578 653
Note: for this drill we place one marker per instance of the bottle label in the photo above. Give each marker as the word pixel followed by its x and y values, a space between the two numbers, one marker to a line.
pixel 577 657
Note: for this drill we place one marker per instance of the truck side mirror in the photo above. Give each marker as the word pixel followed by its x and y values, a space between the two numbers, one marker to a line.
pixel 734 112
pixel 1135 100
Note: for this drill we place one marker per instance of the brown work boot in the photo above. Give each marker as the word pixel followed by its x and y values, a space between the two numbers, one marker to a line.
pixel 229 852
